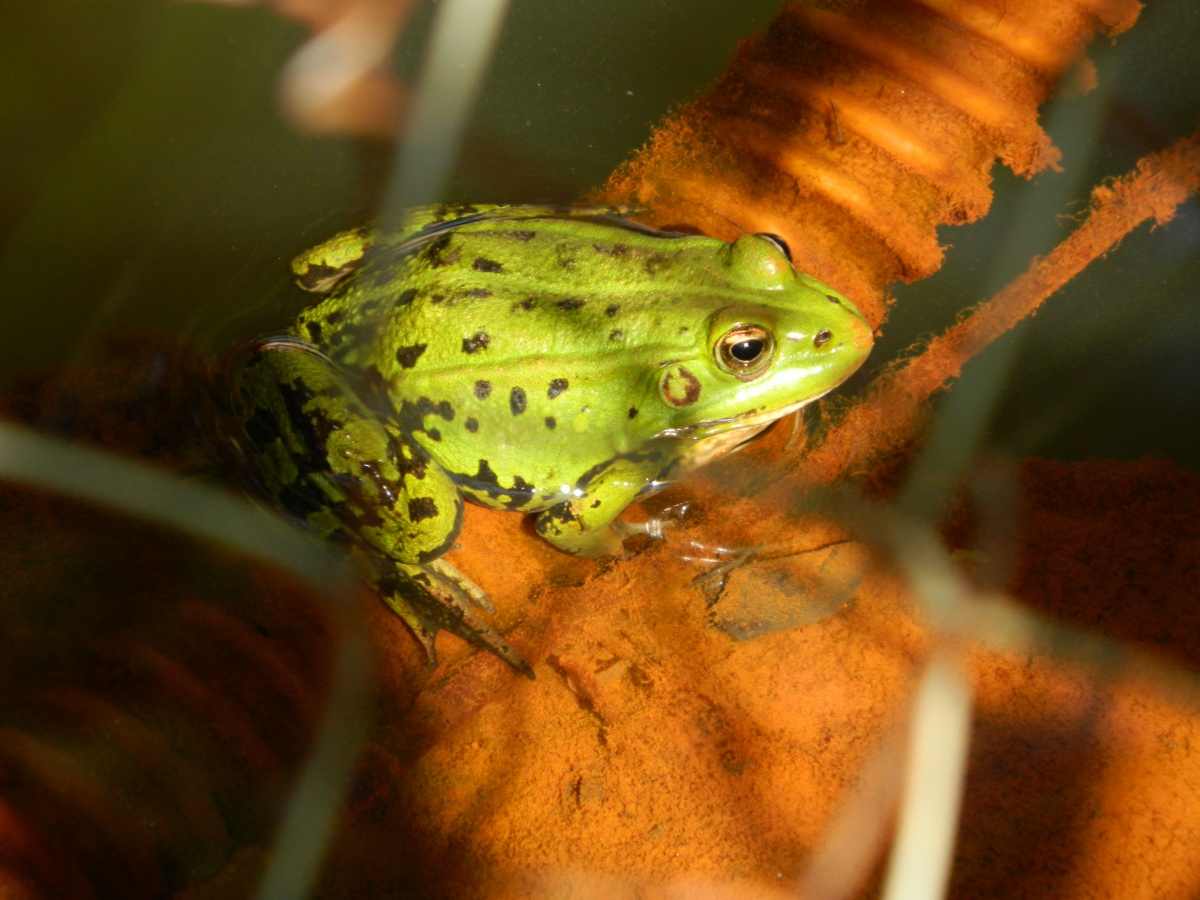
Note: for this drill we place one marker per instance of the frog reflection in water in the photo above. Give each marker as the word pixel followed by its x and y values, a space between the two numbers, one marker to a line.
pixel 544 361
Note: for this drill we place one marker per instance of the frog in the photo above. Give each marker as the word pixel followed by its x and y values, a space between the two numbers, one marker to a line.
pixel 557 362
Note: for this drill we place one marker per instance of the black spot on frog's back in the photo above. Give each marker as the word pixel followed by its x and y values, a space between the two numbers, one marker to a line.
pixel 517 401
pixel 557 386
pixel 408 356
pixel 476 342
pixel 483 389
pixel 569 304
pixel 483 264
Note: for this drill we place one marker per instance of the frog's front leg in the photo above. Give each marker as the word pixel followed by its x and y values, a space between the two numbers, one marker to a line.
pixel 345 471
pixel 590 523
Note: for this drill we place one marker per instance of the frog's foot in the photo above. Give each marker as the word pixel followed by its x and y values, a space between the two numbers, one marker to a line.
pixel 436 597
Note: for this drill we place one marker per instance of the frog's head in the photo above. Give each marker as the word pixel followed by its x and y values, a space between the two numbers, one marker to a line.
pixel 793 342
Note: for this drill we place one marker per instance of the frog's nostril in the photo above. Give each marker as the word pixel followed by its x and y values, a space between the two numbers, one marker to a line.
pixel 822 337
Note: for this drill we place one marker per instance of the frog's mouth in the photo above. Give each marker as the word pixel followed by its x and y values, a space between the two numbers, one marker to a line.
pixel 737 426
pixel 717 437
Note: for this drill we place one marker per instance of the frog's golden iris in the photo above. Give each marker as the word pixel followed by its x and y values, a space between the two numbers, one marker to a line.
pixel 545 361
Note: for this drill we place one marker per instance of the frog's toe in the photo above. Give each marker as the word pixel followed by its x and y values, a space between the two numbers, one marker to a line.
pixel 463 588
pixel 421 627
pixel 656 527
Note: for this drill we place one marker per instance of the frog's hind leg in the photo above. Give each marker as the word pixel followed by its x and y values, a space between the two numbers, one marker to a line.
pixel 435 597
pixel 345 470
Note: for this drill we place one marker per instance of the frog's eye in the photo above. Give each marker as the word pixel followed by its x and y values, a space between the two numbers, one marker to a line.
pixel 745 351
pixel 780 243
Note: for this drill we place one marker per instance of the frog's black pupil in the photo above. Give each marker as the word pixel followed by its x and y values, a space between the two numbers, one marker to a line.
pixel 747 351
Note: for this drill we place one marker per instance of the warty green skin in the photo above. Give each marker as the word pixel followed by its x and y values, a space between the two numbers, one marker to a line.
pixel 552 362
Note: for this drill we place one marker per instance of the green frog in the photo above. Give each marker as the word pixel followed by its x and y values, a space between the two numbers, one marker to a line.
pixel 547 361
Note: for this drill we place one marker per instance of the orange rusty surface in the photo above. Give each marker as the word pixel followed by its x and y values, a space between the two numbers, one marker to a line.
pixel 854 129
pixel 653 751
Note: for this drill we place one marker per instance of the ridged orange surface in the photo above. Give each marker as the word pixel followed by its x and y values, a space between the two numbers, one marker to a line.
pixel 853 129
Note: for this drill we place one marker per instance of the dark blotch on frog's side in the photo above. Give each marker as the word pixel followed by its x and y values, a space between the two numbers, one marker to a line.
pixel 485 475
pixel 472 425
pixel 557 386
pixel 833 299
pixel 478 342
pixel 411 416
pixel 408 356
pixel 421 508
pixel 614 250
pixel 516 401
pixel 633 412
pixel 612 309
pixel 482 264
pixel 314 331
pixel 483 389
pixel 525 305
pixel 478 293
pixel 551 422
pixel 433 434
pixel 407 297
pixel 569 304
pixel 617 335
pixel 522 234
